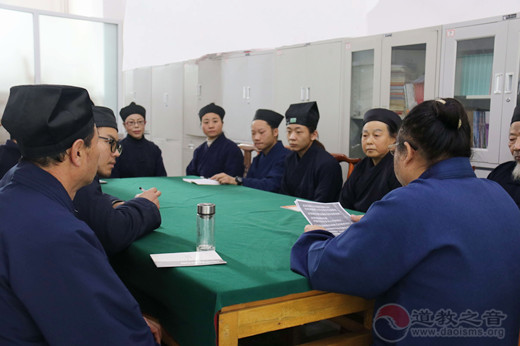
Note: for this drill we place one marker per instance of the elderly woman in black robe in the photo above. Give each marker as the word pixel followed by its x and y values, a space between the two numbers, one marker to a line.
pixel 373 177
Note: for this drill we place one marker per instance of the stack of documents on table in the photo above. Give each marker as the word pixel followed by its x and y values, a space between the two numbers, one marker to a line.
pixel 331 216
pixel 201 181
pixel 187 259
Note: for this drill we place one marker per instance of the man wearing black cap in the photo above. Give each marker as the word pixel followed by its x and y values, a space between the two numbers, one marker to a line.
pixel 508 173
pixel 218 154
pixel 140 157
pixel 310 171
pixel 374 176
pixel 267 168
pixel 56 284
pixel 116 223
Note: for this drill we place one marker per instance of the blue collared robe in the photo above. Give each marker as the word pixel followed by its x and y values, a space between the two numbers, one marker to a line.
pixel 140 158
pixel 503 175
pixel 9 156
pixel 56 284
pixel 117 227
pixel 316 176
pixel 222 156
pixel 447 240
pixel 368 183
pixel 266 171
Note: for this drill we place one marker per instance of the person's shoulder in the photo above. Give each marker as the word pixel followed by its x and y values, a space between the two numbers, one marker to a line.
pixel 506 167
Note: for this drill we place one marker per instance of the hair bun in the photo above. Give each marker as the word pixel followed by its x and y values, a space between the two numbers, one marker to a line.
pixel 448 113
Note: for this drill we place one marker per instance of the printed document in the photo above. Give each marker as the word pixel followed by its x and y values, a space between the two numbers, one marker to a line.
pixel 331 216
pixel 201 181
pixel 187 259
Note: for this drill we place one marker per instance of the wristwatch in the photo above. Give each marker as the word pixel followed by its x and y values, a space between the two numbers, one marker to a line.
pixel 239 180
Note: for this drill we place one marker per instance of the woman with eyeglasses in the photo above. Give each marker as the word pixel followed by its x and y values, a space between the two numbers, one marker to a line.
pixel 441 253
pixel 373 177
pixel 140 157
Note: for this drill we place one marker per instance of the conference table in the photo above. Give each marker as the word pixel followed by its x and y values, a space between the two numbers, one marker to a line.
pixel 253 293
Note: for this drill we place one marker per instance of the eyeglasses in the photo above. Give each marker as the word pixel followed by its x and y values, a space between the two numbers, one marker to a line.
pixel 391 147
pixel 114 145
pixel 132 123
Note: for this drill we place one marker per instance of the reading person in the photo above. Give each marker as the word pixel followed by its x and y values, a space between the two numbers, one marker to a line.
pixel 373 177
pixel 116 223
pixel 428 245
pixel 508 173
pixel 218 154
pixel 267 168
pixel 56 284
pixel 140 157
pixel 310 171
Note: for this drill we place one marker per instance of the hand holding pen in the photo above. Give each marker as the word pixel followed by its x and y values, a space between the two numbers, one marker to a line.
pixel 151 194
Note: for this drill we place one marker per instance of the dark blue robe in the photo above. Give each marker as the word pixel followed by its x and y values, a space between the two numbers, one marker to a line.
pixel 56 284
pixel 9 156
pixel 316 176
pixel 368 183
pixel 447 240
pixel 116 228
pixel 266 171
pixel 140 158
pixel 222 156
pixel 502 175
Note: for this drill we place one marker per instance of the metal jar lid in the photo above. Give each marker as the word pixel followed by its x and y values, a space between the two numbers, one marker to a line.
pixel 206 208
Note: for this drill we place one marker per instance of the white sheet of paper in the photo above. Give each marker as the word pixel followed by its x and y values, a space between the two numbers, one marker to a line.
pixel 330 216
pixel 201 181
pixel 187 259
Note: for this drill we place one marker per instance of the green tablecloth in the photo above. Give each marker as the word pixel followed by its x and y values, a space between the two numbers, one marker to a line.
pixel 253 234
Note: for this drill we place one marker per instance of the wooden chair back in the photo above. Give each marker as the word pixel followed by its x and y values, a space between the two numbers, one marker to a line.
pixel 344 158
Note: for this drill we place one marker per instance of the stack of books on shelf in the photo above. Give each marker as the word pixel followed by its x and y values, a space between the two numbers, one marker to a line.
pixel 479 121
pixel 404 94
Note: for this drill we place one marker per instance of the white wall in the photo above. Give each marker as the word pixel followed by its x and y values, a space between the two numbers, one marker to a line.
pixel 165 31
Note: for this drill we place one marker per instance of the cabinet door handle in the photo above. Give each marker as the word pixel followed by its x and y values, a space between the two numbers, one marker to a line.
pixel 199 90
pixel 302 94
pixel 308 94
pixel 243 93
pixel 248 93
pixel 498 81
pixel 508 83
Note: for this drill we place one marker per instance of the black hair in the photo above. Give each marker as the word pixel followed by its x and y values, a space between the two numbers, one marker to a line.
pixel 440 128
pixel 46 161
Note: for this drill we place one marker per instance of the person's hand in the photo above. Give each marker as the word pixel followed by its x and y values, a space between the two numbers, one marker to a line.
pixel 223 178
pixel 356 218
pixel 117 204
pixel 309 228
pixel 155 328
pixel 152 195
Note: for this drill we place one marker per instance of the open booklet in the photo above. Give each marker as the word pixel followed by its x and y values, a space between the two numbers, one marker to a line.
pixel 331 216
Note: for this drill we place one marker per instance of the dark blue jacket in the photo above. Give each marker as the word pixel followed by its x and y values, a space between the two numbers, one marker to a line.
pixel 9 156
pixel 140 158
pixel 118 227
pixel 316 176
pixel 56 284
pixel 503 175
pixel 222 156
pixel 447 241
pixel 266 171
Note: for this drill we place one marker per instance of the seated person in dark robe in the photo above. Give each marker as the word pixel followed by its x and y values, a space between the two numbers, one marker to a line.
pixel 140 157
pixel 57 286
pixel 116 223
pixel 373 177
pixel 310 171
pixel 9 156
pixel 267 168
pixel 508 173
pixel 427 245
pixel 218 154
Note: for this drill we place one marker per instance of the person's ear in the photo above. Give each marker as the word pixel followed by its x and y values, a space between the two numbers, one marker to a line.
pixel 275 132
pixel 410 154
pixel 77 152
pixel 314 135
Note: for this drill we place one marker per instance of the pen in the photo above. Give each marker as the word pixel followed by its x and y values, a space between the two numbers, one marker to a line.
pixel 140 188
